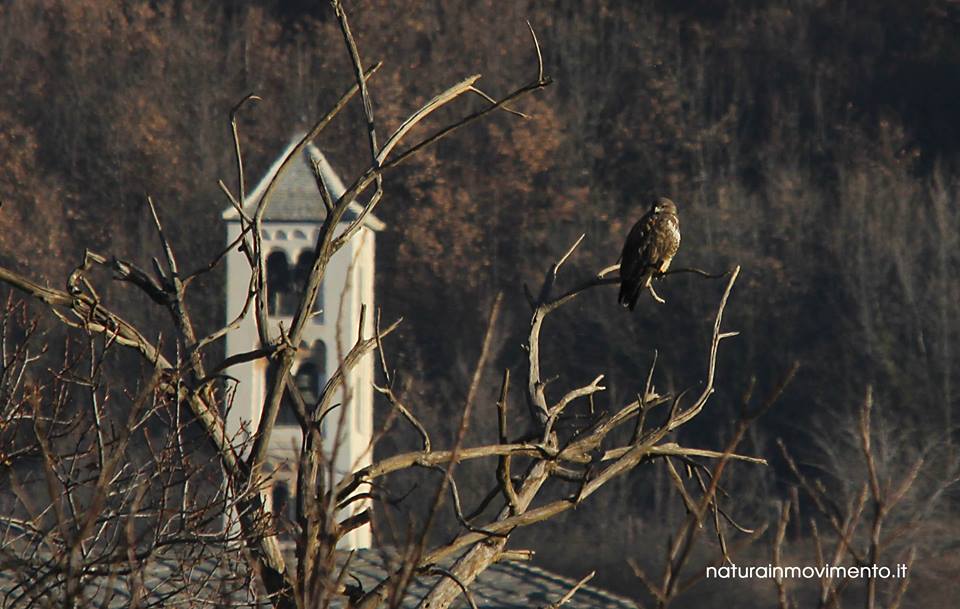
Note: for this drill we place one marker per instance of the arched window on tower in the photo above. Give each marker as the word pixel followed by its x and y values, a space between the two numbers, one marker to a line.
pixel 278 282
pixel 287 415
pixel 282 506
pixel 310 377
pixel 308 384
pixel 300 274
pixel 312 374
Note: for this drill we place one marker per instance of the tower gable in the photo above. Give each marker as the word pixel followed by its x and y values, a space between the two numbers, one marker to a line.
pixel 295 197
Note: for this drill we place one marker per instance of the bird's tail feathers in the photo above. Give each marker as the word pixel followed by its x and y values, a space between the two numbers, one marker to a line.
pixel 628 295
pixel 630 291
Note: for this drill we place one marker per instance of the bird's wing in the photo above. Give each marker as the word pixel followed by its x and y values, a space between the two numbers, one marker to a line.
pixel 637 253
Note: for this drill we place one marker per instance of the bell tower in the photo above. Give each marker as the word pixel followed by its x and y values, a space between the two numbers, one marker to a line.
pixel 289 233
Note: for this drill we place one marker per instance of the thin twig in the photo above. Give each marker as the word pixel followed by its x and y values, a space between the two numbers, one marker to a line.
pixel 566 597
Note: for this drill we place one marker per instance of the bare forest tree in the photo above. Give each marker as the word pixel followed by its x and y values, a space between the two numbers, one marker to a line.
pixel 871 513
pixel 126 506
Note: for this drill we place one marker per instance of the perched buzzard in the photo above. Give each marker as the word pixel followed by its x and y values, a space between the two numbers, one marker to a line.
pixel 651 245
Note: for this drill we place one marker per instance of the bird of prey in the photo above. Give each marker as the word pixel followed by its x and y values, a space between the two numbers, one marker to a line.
pixel 651 245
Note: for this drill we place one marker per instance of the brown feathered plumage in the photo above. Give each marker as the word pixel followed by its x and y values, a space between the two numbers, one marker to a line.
pixel 651 245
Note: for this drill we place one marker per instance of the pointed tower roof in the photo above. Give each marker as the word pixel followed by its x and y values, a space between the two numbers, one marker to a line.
pixel 295 197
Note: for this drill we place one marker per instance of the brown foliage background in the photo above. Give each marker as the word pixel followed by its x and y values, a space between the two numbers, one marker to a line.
pixel 813 143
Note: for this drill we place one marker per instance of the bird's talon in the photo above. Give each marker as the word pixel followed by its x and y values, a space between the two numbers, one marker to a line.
pixel 656 296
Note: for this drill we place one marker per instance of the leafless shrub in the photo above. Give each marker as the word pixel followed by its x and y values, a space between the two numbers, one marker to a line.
pixel 107 498
pixel 875 495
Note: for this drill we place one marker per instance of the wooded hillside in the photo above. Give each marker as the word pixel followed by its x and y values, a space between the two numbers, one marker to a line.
pixel 814 143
